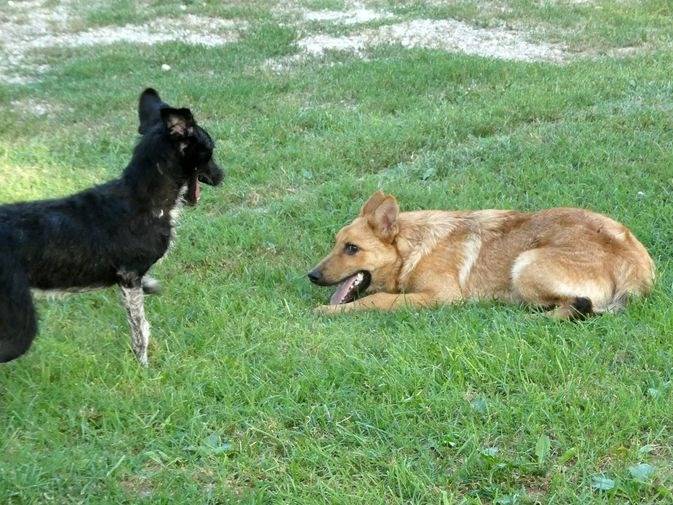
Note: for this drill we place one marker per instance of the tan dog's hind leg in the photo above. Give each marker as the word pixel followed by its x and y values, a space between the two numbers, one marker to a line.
pixel 575 284
pixel 382 301
pixel 579 308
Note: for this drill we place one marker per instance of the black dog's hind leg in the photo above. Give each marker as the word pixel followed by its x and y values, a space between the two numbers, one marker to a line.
pixel 133 298
pixel 18 324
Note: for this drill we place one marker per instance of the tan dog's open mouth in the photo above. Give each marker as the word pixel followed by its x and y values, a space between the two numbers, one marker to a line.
pixel 350 288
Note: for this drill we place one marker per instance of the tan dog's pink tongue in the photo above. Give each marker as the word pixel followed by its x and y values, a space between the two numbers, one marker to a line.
pixel 342 291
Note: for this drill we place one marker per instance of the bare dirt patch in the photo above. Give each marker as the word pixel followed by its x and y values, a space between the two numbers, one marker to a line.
pixel 32 107
pixel 29 26
pixel 356 15
pixel 189 29
pixel 446 35
pixel 455 36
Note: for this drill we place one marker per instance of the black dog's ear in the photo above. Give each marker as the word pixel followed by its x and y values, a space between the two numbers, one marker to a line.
pixel 179 122
pixel 149 106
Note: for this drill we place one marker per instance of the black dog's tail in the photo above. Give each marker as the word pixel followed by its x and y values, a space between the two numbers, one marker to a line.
pixel 18 324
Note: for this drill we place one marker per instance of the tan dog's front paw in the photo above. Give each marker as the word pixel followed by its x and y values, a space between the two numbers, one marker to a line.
pixel 327 310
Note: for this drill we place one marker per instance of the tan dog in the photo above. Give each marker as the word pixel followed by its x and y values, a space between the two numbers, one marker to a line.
pixel 571 261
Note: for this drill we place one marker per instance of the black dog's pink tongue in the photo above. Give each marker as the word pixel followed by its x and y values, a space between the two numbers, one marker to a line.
pixel 193 191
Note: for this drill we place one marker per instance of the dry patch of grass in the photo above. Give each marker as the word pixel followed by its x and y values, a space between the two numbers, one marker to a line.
pixel 28 27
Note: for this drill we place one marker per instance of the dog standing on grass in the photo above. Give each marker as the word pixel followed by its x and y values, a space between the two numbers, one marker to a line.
pixel 106 235
pixel 570 262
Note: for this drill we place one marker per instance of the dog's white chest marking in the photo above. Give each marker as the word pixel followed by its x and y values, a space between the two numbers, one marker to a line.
pixel 427 236
pixel 177 206
pixel 471 249
pixel 174 215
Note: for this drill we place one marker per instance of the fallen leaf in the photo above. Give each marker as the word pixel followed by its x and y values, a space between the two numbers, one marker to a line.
pixel 490 452
pixel 646 449
pixel 602 483
pixel 542 448
pixel 507 500
pixel 479 405
pixel 641 472
pixel 567 456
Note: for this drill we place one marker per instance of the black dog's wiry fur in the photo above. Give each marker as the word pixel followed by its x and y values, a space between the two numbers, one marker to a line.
pixel 106 235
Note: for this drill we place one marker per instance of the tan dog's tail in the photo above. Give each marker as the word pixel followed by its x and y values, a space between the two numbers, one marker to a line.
pixel 633 276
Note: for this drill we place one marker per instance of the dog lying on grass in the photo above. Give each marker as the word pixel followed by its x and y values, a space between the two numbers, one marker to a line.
pixel 106 235
pixel 571 262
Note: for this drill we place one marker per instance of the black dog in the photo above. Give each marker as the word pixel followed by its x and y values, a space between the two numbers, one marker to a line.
pixel 106 235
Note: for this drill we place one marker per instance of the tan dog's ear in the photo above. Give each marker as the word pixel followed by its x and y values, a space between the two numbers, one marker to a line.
pixel 370 205
pixel 383 220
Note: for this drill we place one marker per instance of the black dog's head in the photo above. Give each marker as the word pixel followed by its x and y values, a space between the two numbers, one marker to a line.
pixel 191 144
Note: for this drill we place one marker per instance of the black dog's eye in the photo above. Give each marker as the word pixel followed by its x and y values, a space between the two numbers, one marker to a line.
pixel 351 249
pixel 204 155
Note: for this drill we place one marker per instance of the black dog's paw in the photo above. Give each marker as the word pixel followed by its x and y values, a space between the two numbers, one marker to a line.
pixel 151 286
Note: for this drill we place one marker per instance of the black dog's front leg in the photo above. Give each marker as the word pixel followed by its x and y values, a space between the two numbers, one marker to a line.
pixel 133 298
pixel 18 323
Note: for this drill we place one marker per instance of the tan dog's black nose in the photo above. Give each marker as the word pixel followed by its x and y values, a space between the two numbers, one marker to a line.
pixel 315 276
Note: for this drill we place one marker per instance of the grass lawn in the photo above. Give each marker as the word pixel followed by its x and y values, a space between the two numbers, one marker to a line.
pixel 251 398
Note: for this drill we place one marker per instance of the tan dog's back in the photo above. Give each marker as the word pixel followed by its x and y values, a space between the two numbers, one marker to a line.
pixel 554 256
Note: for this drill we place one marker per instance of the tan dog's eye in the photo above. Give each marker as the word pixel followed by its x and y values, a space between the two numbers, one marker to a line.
pixel 351 249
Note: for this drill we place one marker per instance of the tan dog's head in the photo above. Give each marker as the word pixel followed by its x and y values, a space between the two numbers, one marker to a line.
pixel 364 257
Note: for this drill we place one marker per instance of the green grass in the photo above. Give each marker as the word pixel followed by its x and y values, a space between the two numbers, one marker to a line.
pixel 251 398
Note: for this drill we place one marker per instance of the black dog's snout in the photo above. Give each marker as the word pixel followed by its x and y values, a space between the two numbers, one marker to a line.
pixel 212 174
pixel 315 276
pixel 211 180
